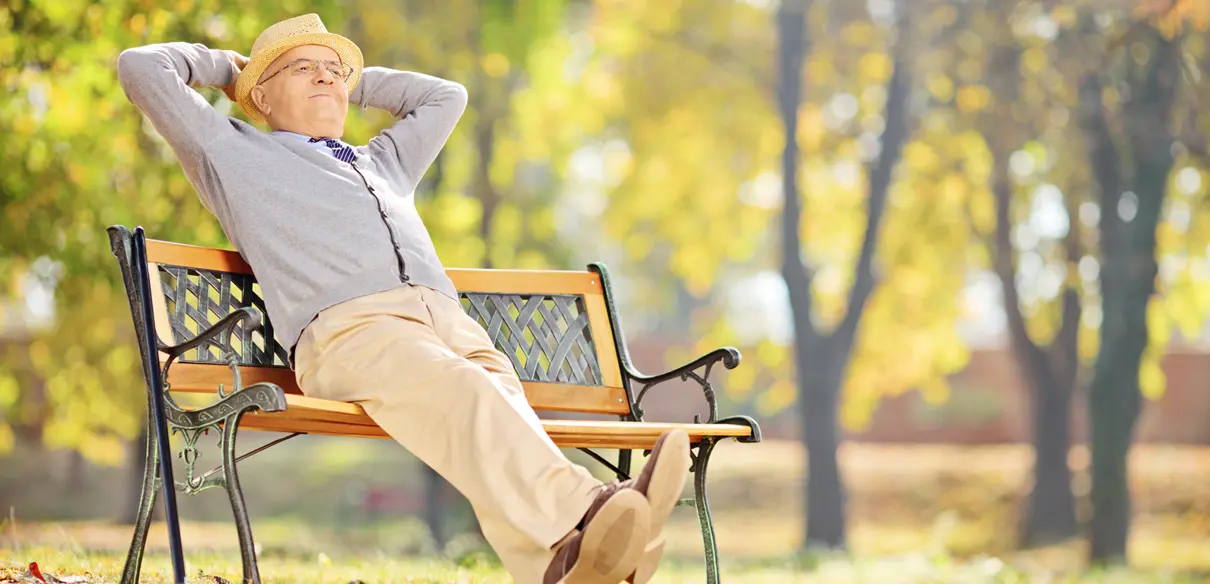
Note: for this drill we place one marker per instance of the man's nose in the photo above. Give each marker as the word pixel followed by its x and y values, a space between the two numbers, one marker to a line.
pixel 325 76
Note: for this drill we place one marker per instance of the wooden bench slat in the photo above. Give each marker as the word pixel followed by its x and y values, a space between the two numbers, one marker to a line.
pixel 180 254
pixel 593 399
pixel 464 279
pixel 618 428
pixel 507 281
pixel 340 419
pixel 276 423
pixel 602 330
pixel 204 377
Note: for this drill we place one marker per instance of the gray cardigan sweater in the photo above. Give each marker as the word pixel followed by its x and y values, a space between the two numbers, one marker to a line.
pixel 317 231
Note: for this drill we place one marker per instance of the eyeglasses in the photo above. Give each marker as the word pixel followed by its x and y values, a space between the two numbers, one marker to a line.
pixel 303 67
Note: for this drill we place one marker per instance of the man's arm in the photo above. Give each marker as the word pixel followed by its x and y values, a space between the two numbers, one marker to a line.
pixel 157 79
pixel 428 108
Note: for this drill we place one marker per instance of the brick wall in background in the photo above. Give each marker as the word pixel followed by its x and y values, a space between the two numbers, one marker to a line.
pixel 988 404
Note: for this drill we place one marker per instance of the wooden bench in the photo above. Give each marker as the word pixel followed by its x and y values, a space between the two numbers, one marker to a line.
pixel 202 310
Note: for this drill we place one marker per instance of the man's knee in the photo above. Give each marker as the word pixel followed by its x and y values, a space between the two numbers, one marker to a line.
pixel 468 376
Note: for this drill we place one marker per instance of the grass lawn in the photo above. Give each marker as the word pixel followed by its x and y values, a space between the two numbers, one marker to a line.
pixel 913 568
pixel 918 514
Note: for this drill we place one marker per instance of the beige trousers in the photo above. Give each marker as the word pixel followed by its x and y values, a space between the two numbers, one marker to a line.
pixel 431 377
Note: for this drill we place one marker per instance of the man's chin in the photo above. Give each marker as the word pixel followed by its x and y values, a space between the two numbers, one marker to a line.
pixel 328 120
pixel 329 114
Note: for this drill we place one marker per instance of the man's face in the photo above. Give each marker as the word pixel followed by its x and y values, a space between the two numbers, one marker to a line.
pixel 306 96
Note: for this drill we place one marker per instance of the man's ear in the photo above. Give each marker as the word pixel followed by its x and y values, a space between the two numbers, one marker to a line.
pixel 260 100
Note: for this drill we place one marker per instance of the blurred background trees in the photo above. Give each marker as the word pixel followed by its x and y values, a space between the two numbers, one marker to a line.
pixel 856 194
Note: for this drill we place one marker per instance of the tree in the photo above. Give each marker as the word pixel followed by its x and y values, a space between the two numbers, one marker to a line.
pixel 1049 369
pixel 693 121
pixel 1043 226
pixel 1130 152
pixel 80 157
pixel 822 358
pixel 1015 122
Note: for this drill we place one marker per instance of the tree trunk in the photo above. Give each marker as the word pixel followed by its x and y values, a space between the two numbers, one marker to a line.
pixel 825 495
pixel 1128 274
pixel 1113 407
pixel 434 506
pixel 821 361
pixel 485 191
pixel 28 416
pixel 1051 513
pixel 825 524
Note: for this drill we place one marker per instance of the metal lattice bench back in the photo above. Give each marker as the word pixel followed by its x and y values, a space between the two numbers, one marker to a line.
pixel 552 325
pixel 548 337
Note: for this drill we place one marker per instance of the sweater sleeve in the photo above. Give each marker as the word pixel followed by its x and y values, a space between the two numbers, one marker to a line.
pixel 427 108
pixel 158 80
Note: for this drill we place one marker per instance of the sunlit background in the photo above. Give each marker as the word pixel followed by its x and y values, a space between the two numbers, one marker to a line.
pixel 999 236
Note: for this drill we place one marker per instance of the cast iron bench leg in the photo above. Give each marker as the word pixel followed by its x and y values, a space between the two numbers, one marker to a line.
pixel 151 485
pixel 224 417
pixel 247 548
pixel 624 457
pixel 703 508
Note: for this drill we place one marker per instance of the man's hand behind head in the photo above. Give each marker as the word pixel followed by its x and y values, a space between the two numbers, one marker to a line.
pixel 240 62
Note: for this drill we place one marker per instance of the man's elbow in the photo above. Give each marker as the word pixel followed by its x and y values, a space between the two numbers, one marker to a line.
pixel 134 63
pixel 132 60
pixel 457 95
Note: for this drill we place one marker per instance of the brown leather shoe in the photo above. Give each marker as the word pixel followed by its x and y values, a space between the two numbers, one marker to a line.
pixel 661 482
pixel 613 540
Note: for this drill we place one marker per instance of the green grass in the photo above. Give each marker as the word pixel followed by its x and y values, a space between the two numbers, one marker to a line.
pixel 202 568
pixel 918 514
pixel 914 568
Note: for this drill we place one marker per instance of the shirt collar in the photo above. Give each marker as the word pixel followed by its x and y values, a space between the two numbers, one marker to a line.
pixel 307 139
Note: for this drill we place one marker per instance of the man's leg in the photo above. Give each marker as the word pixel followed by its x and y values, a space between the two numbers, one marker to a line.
pixel 664 475
pixel 468 340
pixel 381 351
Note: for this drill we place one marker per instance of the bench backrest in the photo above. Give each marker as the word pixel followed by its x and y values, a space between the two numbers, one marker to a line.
pixel 555 326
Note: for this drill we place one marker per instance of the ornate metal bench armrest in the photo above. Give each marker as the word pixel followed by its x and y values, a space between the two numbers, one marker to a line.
pixel 729 357
pixel 218 335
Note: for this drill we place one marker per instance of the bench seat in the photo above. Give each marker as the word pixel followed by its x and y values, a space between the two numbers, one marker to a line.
pixel 334 418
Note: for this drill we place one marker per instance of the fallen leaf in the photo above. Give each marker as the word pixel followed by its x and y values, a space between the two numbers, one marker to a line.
pixel 35 572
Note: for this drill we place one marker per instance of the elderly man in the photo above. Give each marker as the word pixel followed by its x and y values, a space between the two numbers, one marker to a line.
pixel 352 280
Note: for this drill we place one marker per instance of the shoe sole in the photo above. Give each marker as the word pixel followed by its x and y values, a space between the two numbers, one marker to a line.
pixel 667 481
pixel 614 541
pixel 649 563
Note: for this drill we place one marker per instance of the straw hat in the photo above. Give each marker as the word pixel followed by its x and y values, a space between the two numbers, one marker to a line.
pixel 307 29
